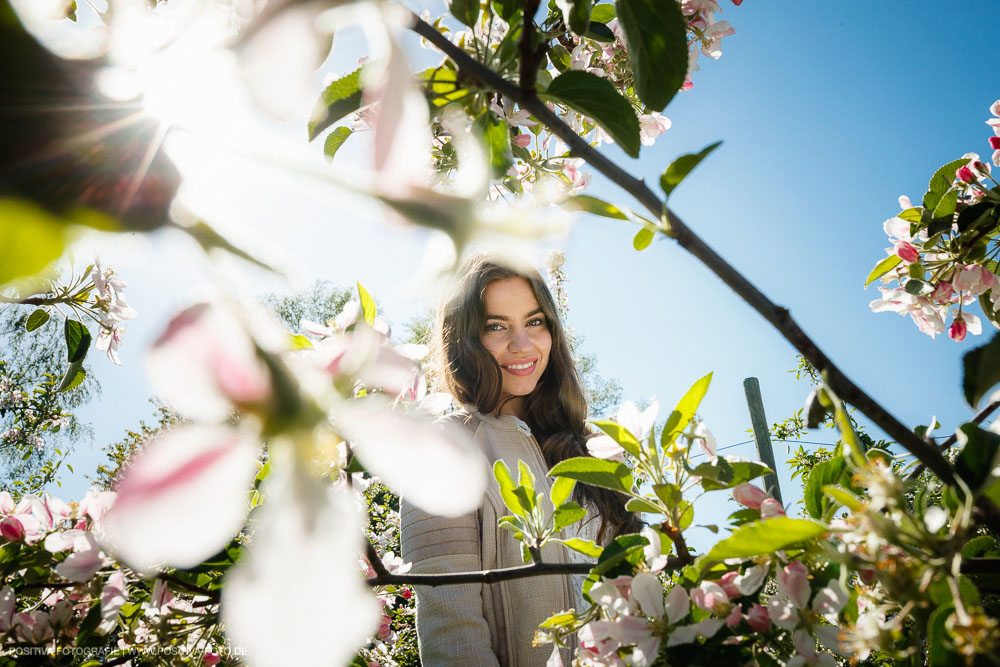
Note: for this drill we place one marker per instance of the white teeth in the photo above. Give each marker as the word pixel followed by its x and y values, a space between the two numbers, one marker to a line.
pixel 521 367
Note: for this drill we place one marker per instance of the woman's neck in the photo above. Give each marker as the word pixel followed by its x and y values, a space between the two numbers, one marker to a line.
pixel 513 406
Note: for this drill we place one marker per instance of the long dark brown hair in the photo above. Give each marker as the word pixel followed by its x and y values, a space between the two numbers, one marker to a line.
pixel 556 411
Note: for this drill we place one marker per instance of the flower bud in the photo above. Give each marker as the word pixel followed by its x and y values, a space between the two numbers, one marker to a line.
pixel 995 142
pixel 758 619
pixel 957 330
pixel 749 495
pixel 11 529
pixel 522 140
pixel 965 174
pixel 906 252
pixel 770 507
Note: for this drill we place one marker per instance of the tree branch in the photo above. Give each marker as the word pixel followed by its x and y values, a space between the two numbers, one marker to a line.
pixel 953 438
pixel 375 561
pixel 675 228
pixel 529 56
pixel 493 576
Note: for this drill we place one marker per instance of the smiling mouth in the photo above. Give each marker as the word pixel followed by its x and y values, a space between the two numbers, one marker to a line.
pixel 525 368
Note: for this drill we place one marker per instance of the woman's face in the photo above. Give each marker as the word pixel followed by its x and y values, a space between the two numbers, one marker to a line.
pixel 517 335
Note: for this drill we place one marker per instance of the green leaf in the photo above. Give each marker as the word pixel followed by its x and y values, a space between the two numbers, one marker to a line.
pixel 946 207
pixel 466 11
pixel 598 99
pixel 507 486
pixel 670 494
pixel 911 214
pixel 643 238
pixel 765 537
pixel 583 546
pixel 596 472
pixel 939 653
pixel 656 33
pixel 714 474
pixel 576 14
pixel 682 166
pixel 561 490
pixel 367 305
pixel 559 620
pixel 740 472
pixel 941 181
pixel 297 342
pixel 918 287
pixel 560 58
pixel 844 497
pixel 641 505
pixel 340 98
pixel 972 216
pixel 77 340
pixel 882 268
pixel 335 140
pixel 73 377
pixel 589 204
pixel 978 456
pixel 978 546
pixel 823 474
pixel 32 238
pixel 599 32
pixel 682 414
pixel 524 477
pixel 981 370
pixel 619 434
pixel 37 318
pixel 505 9
pixel 567 513
pixel 617 558
pixel 602 13
pixel 496 136
pixel 441 85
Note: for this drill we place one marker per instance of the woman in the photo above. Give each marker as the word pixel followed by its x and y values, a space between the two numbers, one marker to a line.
pixel 505 357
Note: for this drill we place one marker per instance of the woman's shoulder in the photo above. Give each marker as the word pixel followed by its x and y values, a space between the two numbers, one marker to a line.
pixel 463 418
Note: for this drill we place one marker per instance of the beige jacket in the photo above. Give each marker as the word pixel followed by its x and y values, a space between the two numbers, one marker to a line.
pixel 484 624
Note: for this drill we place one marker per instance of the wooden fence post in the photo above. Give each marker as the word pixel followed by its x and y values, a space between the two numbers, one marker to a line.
pixel 762 436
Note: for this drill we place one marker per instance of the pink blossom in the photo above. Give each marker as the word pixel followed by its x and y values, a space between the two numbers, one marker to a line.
pixel 713 38
pixel 652 125
pixel 11 529
pixel 965 174
pixel 906 252
pixel 974 279
pixel 734 617
pixel 942 292
pixel 604 447
pixel 522 140
pixel 957 330
pixel 726 581
pixel 904 202
pixel 212 658
pixel 793 583
pixel 86 559
pixel 6 502
pixel 749 495
pixel 709 595
pixel 769 507
pixel 758 619
pixel 995 142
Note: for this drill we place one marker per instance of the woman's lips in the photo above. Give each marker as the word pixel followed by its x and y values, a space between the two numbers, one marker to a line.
pixel 521 368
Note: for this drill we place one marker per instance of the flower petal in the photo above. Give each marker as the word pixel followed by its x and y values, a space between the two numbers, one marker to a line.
pixel 434 465
pixel 305 540
pixel 183 498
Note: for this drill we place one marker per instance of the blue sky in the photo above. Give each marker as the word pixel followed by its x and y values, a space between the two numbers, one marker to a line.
pixel 828 112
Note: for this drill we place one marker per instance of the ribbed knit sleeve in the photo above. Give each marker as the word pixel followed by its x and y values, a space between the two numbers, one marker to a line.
pixel 451 627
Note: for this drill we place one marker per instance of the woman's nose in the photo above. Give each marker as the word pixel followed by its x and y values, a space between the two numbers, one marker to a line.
pixel 519 341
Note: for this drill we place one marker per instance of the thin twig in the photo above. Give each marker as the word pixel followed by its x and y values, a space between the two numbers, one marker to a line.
pixel 493 576
pixel 953 438
pixel 375 561
pixel 529 57
pixel 675 228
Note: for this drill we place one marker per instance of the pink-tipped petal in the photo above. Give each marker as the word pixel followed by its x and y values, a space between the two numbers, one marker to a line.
pixel 183 498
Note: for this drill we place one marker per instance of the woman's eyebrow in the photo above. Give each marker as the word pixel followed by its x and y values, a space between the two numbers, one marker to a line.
pixel 537 311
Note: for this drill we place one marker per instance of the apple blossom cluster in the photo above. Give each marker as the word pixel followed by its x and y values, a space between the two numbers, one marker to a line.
pixel 61 595
pixel 943 256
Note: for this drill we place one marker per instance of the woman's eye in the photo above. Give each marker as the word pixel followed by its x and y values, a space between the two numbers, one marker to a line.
pixel 494 326
pixel 537 322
